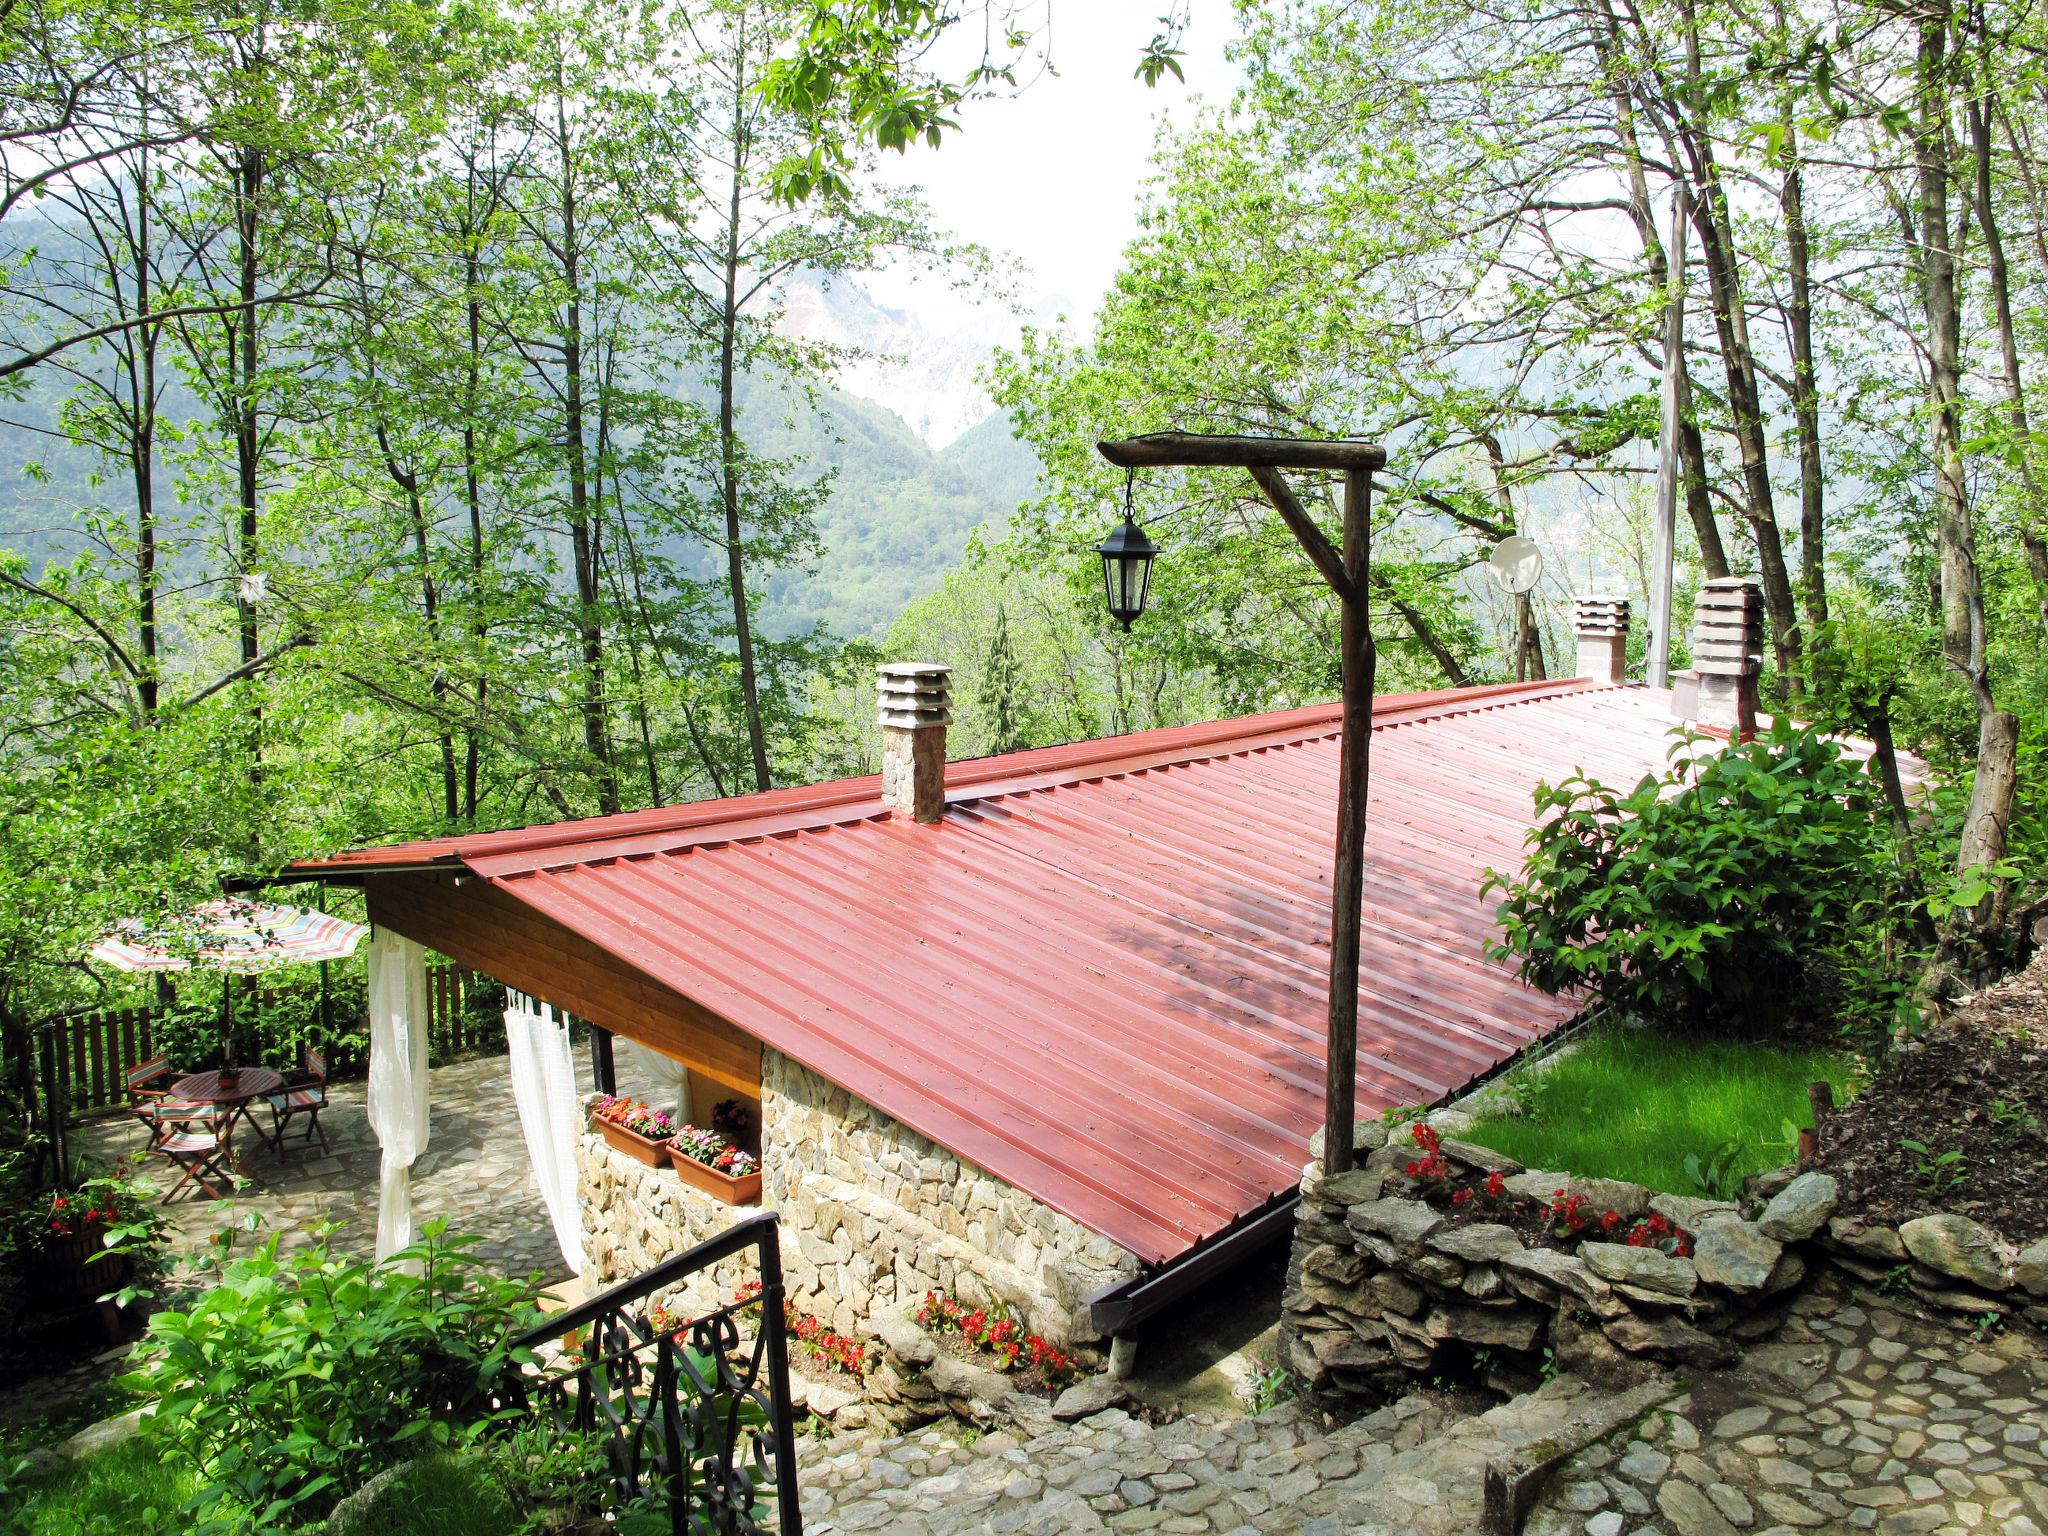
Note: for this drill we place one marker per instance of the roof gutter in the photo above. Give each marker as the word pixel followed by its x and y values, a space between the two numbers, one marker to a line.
pixel 1118 1308
pixel 344 874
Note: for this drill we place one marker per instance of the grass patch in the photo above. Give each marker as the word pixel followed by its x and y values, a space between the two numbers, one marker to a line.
pixel 441 1496
pixel 1632 1103
pixel 125 1490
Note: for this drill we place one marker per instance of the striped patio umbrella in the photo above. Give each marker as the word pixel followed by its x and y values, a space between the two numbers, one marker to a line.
pixel 230 935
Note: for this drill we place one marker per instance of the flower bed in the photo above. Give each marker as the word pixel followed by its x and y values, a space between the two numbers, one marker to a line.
pixel 992 1336
pixel 1560 1220
pixel 810 1340
pixel 638 1130
pixel 1440 1258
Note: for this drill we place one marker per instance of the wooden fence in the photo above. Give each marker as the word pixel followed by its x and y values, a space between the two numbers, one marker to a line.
pixel 95 1048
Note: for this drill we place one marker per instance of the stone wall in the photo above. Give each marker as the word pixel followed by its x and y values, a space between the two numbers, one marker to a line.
pixel 1386 1287
pixel 873 1216
pixel 876 1215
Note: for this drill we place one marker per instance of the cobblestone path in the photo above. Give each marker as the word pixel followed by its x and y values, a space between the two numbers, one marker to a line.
pixel 474 1172
pixel 1856 1416
pixel 1412 1466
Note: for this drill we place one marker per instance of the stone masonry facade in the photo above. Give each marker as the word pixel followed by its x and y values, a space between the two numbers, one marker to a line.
pixel 873 1216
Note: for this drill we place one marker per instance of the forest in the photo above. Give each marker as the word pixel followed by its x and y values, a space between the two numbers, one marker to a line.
pixel 446 448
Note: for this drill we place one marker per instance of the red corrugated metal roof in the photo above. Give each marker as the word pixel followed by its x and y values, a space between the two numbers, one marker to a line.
pixel 1101 975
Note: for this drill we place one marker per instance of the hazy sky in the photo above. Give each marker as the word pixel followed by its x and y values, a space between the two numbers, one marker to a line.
pixel 1051 176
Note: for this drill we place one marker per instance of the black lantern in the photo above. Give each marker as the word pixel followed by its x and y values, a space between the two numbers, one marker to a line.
pixel 1127 557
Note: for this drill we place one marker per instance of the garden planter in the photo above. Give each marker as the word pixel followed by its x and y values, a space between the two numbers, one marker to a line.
pixel 745 1190
pixel 649 1150
pixel 60 1275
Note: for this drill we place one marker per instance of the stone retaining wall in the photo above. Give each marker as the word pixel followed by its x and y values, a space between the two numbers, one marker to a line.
pixel 873 1215
pixel 1383 1288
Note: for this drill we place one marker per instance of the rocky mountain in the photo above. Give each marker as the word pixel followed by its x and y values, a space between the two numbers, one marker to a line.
pixel 926 374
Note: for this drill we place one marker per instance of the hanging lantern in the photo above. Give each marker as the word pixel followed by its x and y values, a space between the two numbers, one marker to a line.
pixel 1127 557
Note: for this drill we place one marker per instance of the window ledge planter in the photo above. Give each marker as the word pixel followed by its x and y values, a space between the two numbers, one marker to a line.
pixel 744 1190
pixel 651 1150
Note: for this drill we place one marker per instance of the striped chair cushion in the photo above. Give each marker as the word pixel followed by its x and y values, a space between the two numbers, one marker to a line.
pixel 172 1109
pixel 185 1143
pixel 299 1098
pixel 316 1063
pixel 143 1071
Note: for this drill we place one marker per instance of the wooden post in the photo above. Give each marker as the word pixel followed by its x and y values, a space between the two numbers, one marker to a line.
pixel 1347 883
pixel 1348 571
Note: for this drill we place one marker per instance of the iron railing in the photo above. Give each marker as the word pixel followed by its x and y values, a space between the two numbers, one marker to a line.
pixel 693 1416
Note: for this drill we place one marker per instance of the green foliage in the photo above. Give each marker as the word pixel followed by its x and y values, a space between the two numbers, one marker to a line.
pixel 1674 1113
pixel 293 1379
pixel 1700 895
pixel 1936 1172
pixel 1714 1175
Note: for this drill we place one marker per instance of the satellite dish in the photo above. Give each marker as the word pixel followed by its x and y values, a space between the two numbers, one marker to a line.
pixel 1516 564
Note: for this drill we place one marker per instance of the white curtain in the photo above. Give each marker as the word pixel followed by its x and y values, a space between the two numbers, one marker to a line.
pixel 544 1089
pixel 667 1080
pixel 398 1078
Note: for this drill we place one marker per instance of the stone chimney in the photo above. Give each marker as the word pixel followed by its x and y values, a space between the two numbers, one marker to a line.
pixel 1728 654
pixel 1600 624
pixel 916 699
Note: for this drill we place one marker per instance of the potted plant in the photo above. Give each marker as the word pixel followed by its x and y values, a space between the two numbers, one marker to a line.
pixel 709 1162
pixel 636 1129
pixel 95 1242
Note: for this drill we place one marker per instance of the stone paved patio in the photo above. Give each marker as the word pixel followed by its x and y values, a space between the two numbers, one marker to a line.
pixel 474 1173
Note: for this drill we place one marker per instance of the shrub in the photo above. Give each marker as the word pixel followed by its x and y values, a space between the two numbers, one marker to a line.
pixel 1700 895
pixel 296 1378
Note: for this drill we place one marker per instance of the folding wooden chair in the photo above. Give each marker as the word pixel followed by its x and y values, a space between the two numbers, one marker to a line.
pixel 200 1144
pixel 149 1103
pixel 304 1097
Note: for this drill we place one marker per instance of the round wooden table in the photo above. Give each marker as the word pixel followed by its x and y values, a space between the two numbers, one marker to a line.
pixel 253 1084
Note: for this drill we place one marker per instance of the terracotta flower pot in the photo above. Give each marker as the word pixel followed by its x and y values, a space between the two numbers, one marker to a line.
pixel 652 1151
pixel 744 1190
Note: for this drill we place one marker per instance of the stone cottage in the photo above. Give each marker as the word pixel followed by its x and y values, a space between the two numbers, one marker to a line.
pixel 1046 1027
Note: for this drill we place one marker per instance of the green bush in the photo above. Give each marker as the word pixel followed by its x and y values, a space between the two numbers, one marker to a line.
pixel 1706 895
pixel 294 1379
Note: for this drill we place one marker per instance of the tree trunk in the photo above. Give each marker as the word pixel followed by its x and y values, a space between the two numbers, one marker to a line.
pixel 472 492
pixel 1713 222
pixel 142 458
pixel 1692 449
pixel 728 436
pixel 1805 390
pixel 2033 503
pixel 1983 841
pixel 584 538
pixel 243 362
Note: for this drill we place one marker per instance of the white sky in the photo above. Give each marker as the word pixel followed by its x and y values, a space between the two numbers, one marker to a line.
pixel 1051 176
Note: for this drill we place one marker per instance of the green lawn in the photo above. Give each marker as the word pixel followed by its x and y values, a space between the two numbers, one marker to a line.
pixel 124 1490
pixel 1631 1103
